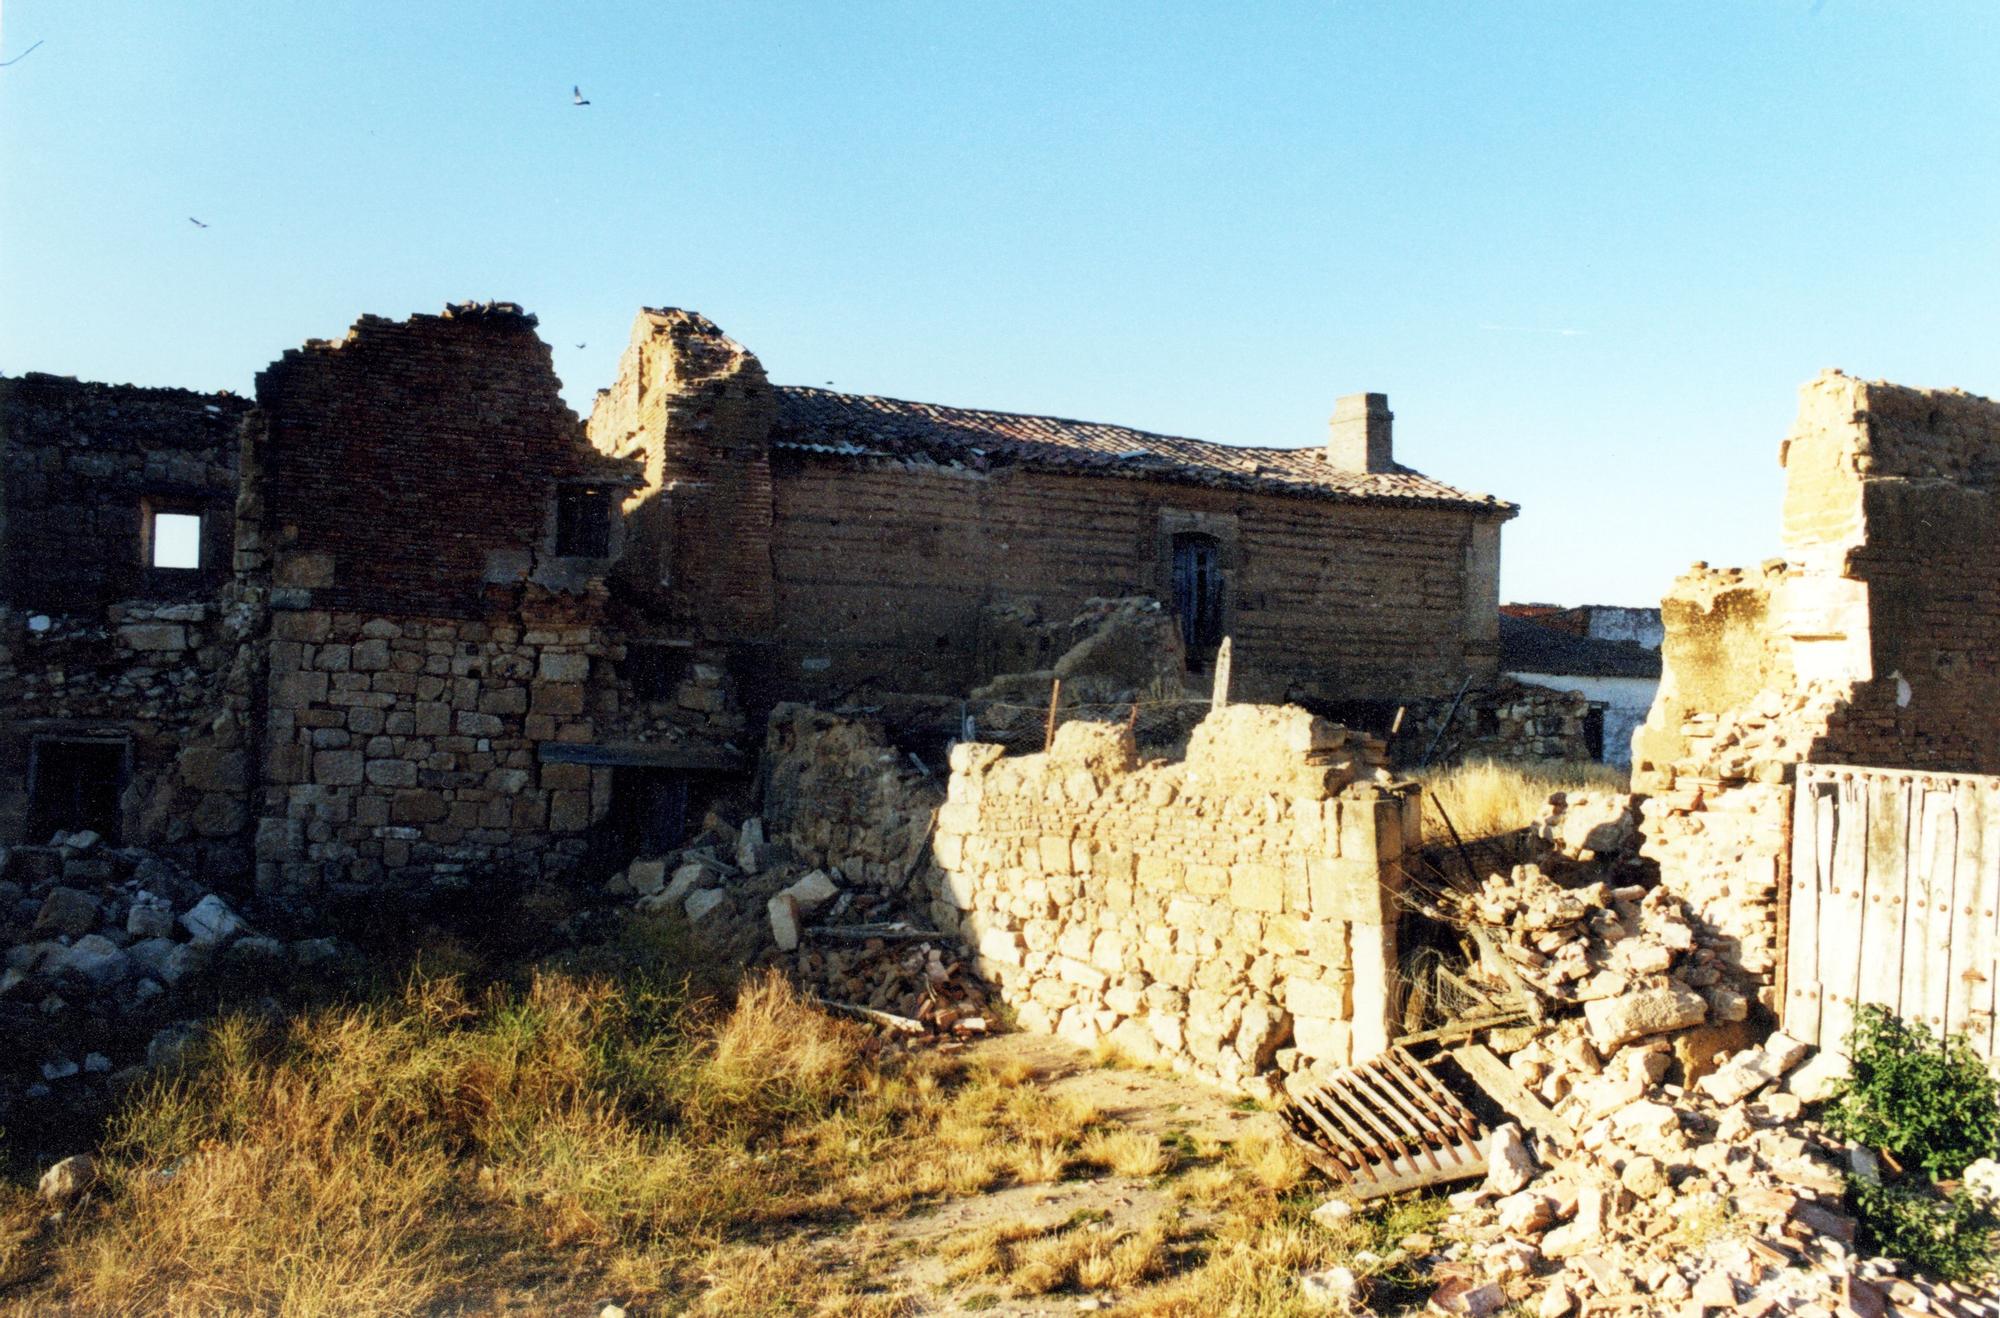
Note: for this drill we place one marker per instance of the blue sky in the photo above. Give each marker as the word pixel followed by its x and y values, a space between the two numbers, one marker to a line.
pixel 1590 250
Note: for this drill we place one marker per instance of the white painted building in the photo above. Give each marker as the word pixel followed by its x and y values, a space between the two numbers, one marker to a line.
pixel 1618 677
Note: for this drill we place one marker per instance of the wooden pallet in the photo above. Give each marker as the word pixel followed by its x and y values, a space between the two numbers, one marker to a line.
pixel 1385 1126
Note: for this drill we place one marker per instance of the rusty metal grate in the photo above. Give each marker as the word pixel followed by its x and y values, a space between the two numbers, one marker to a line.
pixel 1385 1126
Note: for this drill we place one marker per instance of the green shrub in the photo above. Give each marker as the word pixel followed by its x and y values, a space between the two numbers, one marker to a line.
pixel 1929 1102
pixel 1932 1105
pixel 1949 1236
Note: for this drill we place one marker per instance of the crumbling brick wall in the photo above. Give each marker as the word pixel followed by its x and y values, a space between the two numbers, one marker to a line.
pixel 838 796
pixel 81 467
pixel 1875 640
pixel 427 643
pixel 693 407
pixel 1224 914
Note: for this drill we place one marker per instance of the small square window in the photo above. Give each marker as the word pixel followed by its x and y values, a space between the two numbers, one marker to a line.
pixel 175 540
pixel 583 521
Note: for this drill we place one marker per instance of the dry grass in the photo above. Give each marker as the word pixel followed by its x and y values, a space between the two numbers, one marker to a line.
pixel 438 1148
pixel 1486 798
pixel 1077 1255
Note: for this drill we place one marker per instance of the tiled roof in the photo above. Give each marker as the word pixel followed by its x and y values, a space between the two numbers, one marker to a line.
pixel 1533 647
pixel 860 425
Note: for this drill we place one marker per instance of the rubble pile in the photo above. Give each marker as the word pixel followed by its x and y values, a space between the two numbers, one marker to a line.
pixel 109 951
pixel 857 946
pixel 1721 1198
pixel 1673 1165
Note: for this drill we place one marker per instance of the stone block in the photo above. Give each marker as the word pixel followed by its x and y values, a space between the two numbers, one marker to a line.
pixel 297 690
pixel 1322 1039
pixel 391 773
pixel 558 667
pixel 209 769
pixel 420 806
pixel 154 637
pixel 569 812
pixel 557 699
pixel 1257 887
pixel 337 768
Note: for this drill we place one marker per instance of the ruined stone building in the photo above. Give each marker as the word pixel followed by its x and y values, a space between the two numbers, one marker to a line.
pixel 1874 641
pixel 406 615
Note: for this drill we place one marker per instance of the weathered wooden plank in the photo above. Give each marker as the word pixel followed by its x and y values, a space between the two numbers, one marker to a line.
pixel 1935 893
pixel 1970 970
pixel 1815 804
pixel 1926 890
pixel 1501 1084
pixel 1841 933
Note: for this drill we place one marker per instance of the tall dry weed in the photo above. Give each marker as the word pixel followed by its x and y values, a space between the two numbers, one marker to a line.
pixel 1486 798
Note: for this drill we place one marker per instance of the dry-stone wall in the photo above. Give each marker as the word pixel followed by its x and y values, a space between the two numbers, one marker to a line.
pixel 1227 914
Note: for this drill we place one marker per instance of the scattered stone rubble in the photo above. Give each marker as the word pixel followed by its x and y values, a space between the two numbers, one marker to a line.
pixel 109 952
pixel 1683 1174
pixel 857 947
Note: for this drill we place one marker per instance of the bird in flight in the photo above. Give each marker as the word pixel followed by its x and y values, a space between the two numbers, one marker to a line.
pixel 576 96
pixel 583 345
pixel 196 223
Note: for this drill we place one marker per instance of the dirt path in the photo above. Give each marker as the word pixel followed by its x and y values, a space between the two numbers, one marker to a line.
pixel 1153 1102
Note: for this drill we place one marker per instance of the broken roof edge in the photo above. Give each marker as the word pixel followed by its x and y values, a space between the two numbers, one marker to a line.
pixel 993 437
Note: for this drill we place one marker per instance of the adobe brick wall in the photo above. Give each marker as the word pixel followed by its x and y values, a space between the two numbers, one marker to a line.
pixel 1226 914
pixel 883 568
pixel 77 462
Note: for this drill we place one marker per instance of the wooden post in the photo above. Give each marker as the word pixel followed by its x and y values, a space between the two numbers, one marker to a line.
pixel 1132 720
pixel 1049 733
pixel 1221 695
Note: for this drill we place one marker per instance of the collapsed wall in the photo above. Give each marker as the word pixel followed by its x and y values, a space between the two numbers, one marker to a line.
pixel 1223 915
pixel 1873 641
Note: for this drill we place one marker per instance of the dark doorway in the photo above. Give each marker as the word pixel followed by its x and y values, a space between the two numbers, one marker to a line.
pixel 649 809
pixel 74 785
pixel 1593 732
pixel 1198 596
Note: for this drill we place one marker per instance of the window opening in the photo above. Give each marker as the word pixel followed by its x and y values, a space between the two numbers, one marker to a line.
pixel 74 785
pixel 1198 586
pixel 175 540
pixel 583 521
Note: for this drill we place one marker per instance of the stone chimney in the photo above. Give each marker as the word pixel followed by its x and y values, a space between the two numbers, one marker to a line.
pixel 1358 434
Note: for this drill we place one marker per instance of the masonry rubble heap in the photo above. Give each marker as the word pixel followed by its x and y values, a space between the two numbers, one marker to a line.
pixel 1675 1170
pixel 821 884
pixel 109 953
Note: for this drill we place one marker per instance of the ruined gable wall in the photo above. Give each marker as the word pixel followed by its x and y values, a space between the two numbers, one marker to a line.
pixel 414 464
pixel 79 460
pixel 694 408
pixel 424 649
pixel 1873 642
pixel 1899 571
pixel 883 567
pixel 1225 914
